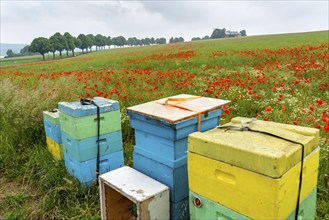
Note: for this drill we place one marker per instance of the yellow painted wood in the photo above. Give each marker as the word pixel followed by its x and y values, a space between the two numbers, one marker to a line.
pixel 257 152
pixel 249 193
pixel 55 149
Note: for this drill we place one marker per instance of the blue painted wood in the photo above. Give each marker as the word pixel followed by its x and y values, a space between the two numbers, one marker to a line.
pixel 180 210
pixel 174 178
pixel 53 131
pixel 86 149
pixel 85 171
pixel 174 131
pixel 75 109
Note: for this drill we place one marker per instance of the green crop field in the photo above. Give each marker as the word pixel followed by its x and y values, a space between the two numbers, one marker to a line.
pixel 282 78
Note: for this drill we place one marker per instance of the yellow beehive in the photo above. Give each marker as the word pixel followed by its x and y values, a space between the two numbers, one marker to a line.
pixel 55 149
pixel 256 175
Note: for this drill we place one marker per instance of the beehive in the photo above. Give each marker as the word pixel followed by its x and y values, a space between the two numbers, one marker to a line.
pixel 53 133
pixel 161 130
pixel 203 208
pixel 79 127
pixel 86 149
pixel 125 187
pixel 52 125
pixel 254 174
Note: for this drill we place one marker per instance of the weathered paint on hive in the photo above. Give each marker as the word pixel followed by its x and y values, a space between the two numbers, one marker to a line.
pixel 55 149
pixel 172 114
pixel 52 116
pixel 76 109
pixel 151 197
pixel 260 153
pixel 85 127
pixel 255 195
pixel 86 149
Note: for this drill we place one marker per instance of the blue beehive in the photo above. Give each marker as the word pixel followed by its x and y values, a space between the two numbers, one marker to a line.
pixel 85 171
pixel 79 134
pixel 53 131
pixel 75 109
pixel 161 130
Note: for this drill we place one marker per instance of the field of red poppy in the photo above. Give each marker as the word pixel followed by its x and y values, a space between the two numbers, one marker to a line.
pixel 282 78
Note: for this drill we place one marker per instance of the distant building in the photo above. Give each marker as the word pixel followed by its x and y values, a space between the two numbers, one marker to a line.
pixel 232 34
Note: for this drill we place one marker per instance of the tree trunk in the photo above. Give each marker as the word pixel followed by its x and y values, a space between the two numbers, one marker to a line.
pixel 43 57
pixel 73 53
pixel 60 54
pixel 67 53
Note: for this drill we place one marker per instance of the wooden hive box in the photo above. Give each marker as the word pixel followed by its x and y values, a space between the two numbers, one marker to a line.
pixel 161 130
pixel 254 174
pixel 124 188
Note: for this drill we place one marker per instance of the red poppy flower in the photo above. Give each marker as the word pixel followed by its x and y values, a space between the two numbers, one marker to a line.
pixel 268 109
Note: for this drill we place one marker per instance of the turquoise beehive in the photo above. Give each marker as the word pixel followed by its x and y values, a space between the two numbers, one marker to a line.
pixel 79 127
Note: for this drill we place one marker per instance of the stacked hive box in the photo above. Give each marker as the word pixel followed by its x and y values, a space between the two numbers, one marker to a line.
pixel 250 175
pixel 53 133
pixel 80 135
pixel 161 132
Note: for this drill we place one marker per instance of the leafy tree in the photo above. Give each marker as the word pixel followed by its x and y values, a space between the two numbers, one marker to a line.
pixel 218 33
pixel 90 41
pixel 161 41
pixel 59 42
pixel 83 42
pixel 70 43
pixel 119 41
pixel 100 41
pixel 152 40
pixel 176 40
pixel 25 50
pixel 206 37
pixel 132 41
pixel 195 38
pixel 243 33
pixel 10 53
pixel 40 45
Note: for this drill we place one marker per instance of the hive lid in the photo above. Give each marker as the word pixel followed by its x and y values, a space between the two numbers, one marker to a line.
pixel 256 152
pixel 52 115
pixel 179 112
pixel 76 109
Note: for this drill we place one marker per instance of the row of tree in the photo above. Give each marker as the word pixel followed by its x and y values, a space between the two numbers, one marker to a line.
pixel 67 42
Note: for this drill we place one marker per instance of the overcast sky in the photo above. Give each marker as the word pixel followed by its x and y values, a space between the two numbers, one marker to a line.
pixel 22 21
